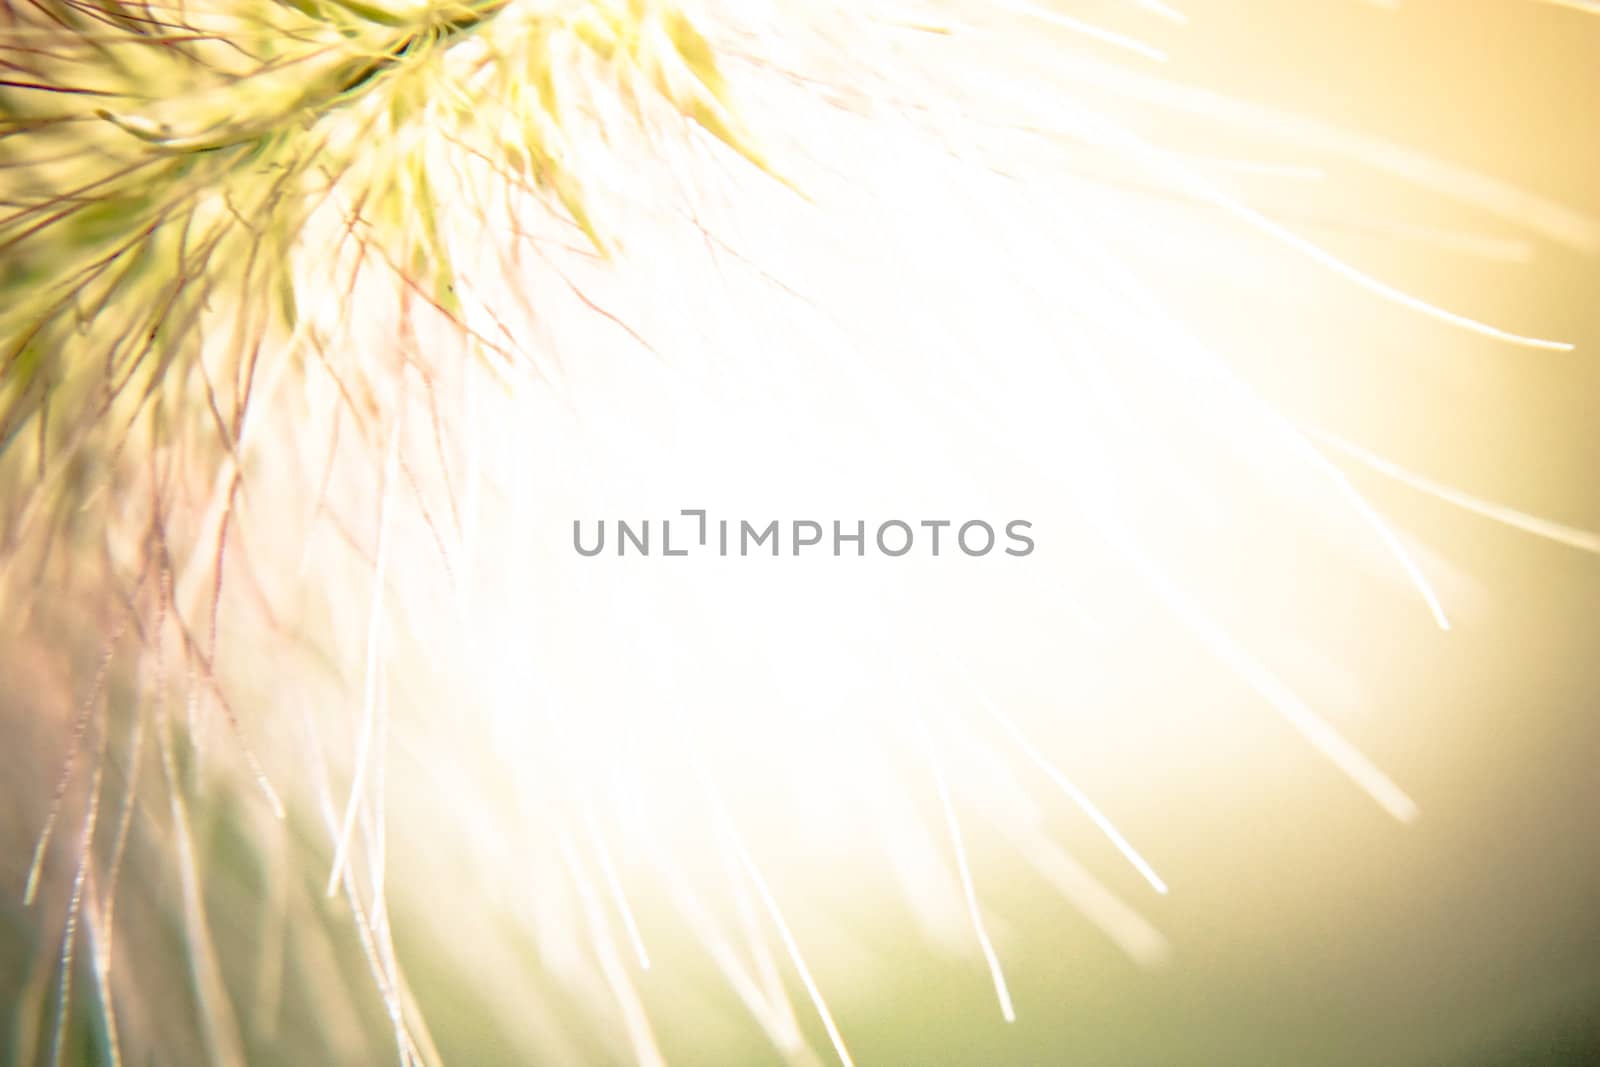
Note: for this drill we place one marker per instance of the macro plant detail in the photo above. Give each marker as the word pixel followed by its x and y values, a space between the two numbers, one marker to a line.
pixel 325 324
